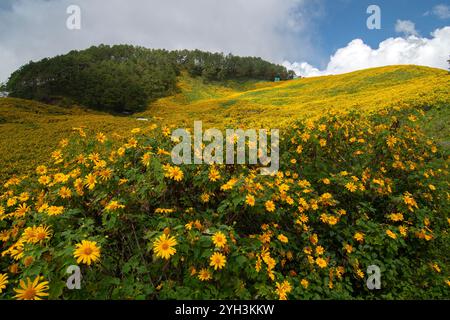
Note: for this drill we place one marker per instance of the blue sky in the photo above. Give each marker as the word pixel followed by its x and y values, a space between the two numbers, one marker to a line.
pixel 345 20
pixel 313 37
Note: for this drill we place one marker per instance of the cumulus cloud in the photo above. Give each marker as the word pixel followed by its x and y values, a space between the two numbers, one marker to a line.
pixel 441 11
pixel 432 52
pixel 272 29
pixel 407 27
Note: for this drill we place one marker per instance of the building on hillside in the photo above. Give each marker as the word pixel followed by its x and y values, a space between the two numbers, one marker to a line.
pixel 277 79
pixel 3 94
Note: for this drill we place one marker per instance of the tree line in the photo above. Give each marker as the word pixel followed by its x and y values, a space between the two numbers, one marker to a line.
pixel 126 78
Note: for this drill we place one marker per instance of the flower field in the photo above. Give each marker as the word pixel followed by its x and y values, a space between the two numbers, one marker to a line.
pixel 355 189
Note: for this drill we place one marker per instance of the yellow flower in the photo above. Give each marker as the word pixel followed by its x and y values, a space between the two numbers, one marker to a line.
pixel 145 159
pixel 45 180
pixel 326 181
pixel 270 206
pixel 3 281
pixel 409 201
pixel 87 252
pixel 60 178
pixel 90 181
pixel 31 290
pixel 391 141
pixel 65 192
pixel 174 173
pixel 41 170
pixel 348 248
pixel 250 200
pixel 21 210
pixel 114 205
pixel 323 142
pixel 403 230
pixel 55 211
pixel 359 236
pixel 164 246
pixel 396 217
pixel 321 262
pixel 36 234
pixel 11 202
pixel 283 238
pixel 360 273
pixel 205 197
pixel 214 175
pixel 350 186
pixel 436 268
pixel 219 239
pixel 320 250
pixel 204 275
pixel 283 289
pixel 217 260
pixel 391 234
pixel 304 283
pixel 100 137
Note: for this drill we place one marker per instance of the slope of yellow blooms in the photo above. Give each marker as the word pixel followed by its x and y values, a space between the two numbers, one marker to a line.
pixel 276 104
pixel 354 189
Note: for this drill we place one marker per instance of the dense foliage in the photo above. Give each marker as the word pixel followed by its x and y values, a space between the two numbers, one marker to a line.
pixel 125 78
pixel 354 190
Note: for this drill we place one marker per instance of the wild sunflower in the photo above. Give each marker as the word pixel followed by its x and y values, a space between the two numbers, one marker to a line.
pixel 31 290
pixel 65 193
pixel 41 170
pixel 114 205
pixel 270 206
pixel 219 239
pixel 177 174
pixel 283 238
pixel 90 181
pixel 250 200
pixel 321 262
pixel 145 159
pixel 359 236
pixel 164 246
pixel 55 210
pixel 3 281
pixel 217 260
pixel 350 186
pixel 87 252
pixel 204 275
pixel 36 234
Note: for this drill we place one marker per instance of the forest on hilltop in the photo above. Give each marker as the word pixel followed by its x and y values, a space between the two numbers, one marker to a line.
pixel 126 78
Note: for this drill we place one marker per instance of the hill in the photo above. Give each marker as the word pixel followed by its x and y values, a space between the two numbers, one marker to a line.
pixel 30 130
pixel 269 104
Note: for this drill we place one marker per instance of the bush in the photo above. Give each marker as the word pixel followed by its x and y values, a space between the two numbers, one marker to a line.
pixel 353 191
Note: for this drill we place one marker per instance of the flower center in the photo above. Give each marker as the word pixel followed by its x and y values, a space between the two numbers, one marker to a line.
pixel 29 293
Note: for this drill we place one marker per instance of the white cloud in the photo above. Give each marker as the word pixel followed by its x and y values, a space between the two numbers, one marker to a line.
pixel 441 11
pixel 273 29
pixel 407 27
pixel 432 52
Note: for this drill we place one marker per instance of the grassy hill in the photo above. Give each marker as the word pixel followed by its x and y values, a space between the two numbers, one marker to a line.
pixel 269 103
pixel 30 130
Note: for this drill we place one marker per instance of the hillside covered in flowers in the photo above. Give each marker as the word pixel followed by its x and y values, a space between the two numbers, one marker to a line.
pixel 355 188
